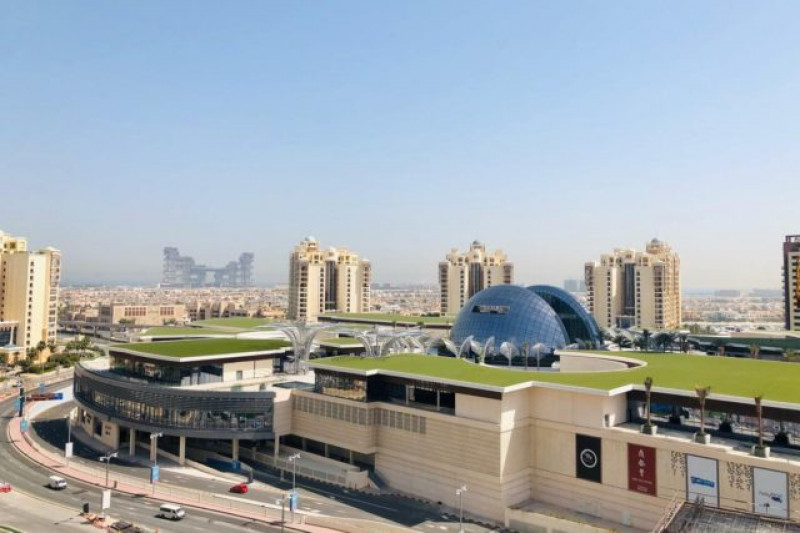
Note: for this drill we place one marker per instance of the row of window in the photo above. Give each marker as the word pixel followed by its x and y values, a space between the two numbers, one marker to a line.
pixel 361 416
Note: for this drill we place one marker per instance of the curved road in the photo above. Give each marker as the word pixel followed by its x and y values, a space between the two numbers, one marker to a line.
pixel 31 478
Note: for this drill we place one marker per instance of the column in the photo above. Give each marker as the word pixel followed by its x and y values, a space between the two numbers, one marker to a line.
pixel 277 449
pixel 153 449
pixel 235 449
pixel 182 451
pixel 326 450
pixel 132 442
pixel 351 457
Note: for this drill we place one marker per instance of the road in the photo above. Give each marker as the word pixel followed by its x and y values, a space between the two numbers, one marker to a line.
pixel 50 430
pixel 30 479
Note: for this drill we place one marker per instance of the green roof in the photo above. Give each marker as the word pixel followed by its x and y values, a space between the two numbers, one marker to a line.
pixel 777 381
pixel 203 347
pixel 341 341
pixel 239 322
pixel 389 317
pixel 166 331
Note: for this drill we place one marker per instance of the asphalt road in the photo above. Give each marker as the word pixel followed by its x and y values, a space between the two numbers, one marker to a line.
pixel 31 479
pixel 50 430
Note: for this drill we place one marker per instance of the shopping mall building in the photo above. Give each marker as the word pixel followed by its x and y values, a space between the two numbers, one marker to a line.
pixel 532 448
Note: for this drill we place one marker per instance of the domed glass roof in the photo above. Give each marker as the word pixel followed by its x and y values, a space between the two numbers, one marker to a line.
pixel 579 324
pixel 509 313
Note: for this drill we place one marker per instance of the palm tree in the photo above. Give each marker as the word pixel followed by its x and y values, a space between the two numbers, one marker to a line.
pixel 648 427
pixel 702 395
pixel 646 336
pixel 754 351
pixel 683 342
pixel 664 340
pixel 621 340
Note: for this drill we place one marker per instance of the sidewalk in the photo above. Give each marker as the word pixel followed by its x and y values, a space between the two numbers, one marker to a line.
pixel 27 447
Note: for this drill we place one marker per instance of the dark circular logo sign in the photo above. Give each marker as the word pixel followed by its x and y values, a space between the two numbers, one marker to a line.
pixel 588 458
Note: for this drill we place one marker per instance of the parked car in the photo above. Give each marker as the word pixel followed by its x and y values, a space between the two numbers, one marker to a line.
pixel 5 487
pixel 240 488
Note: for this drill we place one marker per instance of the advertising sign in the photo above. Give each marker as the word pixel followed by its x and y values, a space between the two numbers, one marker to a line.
pixel 23 426
pixel 588 458
pixel 155 473
pixel 770 492
pixel 702 480
pixel 642 469
pixel 105 502
pixel 68 450
pixel 293 501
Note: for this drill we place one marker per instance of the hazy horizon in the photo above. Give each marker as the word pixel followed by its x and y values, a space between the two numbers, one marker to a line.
pixel 553 131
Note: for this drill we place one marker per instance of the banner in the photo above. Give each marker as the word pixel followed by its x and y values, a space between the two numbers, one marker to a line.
pixel 770 492
pixel 588 458
pixel 702 480
pixel 642 469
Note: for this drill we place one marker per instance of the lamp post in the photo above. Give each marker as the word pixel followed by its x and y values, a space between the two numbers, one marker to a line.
pixel 293 459
pixel 460 493
pixel 154 446
pixel 282 501
pixel 69 428
pixel 107 460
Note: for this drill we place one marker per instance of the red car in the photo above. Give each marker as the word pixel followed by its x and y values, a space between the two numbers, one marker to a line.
pixel 5 487
pixel 240 488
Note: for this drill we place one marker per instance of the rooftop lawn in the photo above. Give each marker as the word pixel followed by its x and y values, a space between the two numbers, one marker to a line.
pixel 239 322
pixel 201 347
pixel 777 381
pixel 166 331
pixel 389 317
pixel 341 340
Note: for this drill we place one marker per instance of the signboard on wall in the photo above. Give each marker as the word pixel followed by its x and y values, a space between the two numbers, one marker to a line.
pixel 588 458
pixel 642 469
pixel 702 480
pixel 770 492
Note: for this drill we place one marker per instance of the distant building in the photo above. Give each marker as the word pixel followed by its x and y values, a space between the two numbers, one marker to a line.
pixel 141 315
pixel 636 289
pixel 462 276
pixel 326 281
pixel 181 271
pixel 574 285
pixel 29 283
pixel 791 281
pixel 727 293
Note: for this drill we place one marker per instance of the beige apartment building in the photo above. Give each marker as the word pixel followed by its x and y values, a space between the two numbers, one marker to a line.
pixel 461 276
pixel 791 282
pixel 332 280
pixel 29 282
pixel 636 289
pixel 142 315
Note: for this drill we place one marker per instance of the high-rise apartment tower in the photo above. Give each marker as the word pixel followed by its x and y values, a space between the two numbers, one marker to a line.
pixel 636 289
pixel 326 281
pixel 791 282
pixel 29 282
pixel 461 276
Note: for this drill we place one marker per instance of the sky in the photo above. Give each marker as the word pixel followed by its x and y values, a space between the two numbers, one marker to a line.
pixel 555 131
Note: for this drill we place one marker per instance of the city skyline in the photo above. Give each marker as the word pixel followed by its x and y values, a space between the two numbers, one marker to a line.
pixel 563 133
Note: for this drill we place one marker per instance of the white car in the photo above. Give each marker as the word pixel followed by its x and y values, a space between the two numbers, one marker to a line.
pixel 57 483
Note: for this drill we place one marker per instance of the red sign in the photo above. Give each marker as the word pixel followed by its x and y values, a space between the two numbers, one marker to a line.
pixel 642 469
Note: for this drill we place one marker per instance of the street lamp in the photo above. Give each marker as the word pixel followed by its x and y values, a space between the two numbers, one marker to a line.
pixel 293 459
pixel 154 446
pixel 282 502
pixel 460 493
pixel 107 460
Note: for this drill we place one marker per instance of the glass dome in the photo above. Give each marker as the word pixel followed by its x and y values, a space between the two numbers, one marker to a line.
pixel 509 313
pixel 578 323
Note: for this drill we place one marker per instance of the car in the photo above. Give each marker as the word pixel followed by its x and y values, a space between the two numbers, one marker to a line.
pixel 5 487
pixel 57 483
pixel 240 488
pixel 171 511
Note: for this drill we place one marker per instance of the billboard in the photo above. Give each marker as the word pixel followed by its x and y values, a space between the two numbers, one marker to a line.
pixel 588 458
pixel 702 480
pixel 642 469
pixel 770 492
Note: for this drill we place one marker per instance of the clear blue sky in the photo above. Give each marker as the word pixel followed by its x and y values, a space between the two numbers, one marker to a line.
pixel 553 130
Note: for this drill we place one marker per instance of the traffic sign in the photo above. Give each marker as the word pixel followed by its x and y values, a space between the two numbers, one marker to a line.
pixel 41 388
pixel 23 426
pixel 17 404
pixel 293 500
pixel 155 473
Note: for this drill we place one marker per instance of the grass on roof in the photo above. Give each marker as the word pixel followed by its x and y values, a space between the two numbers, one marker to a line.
pixel 201 347
pixel 777 381
pixel 239 322
pixel 341 341
pixel 166 331
pixel 389 317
